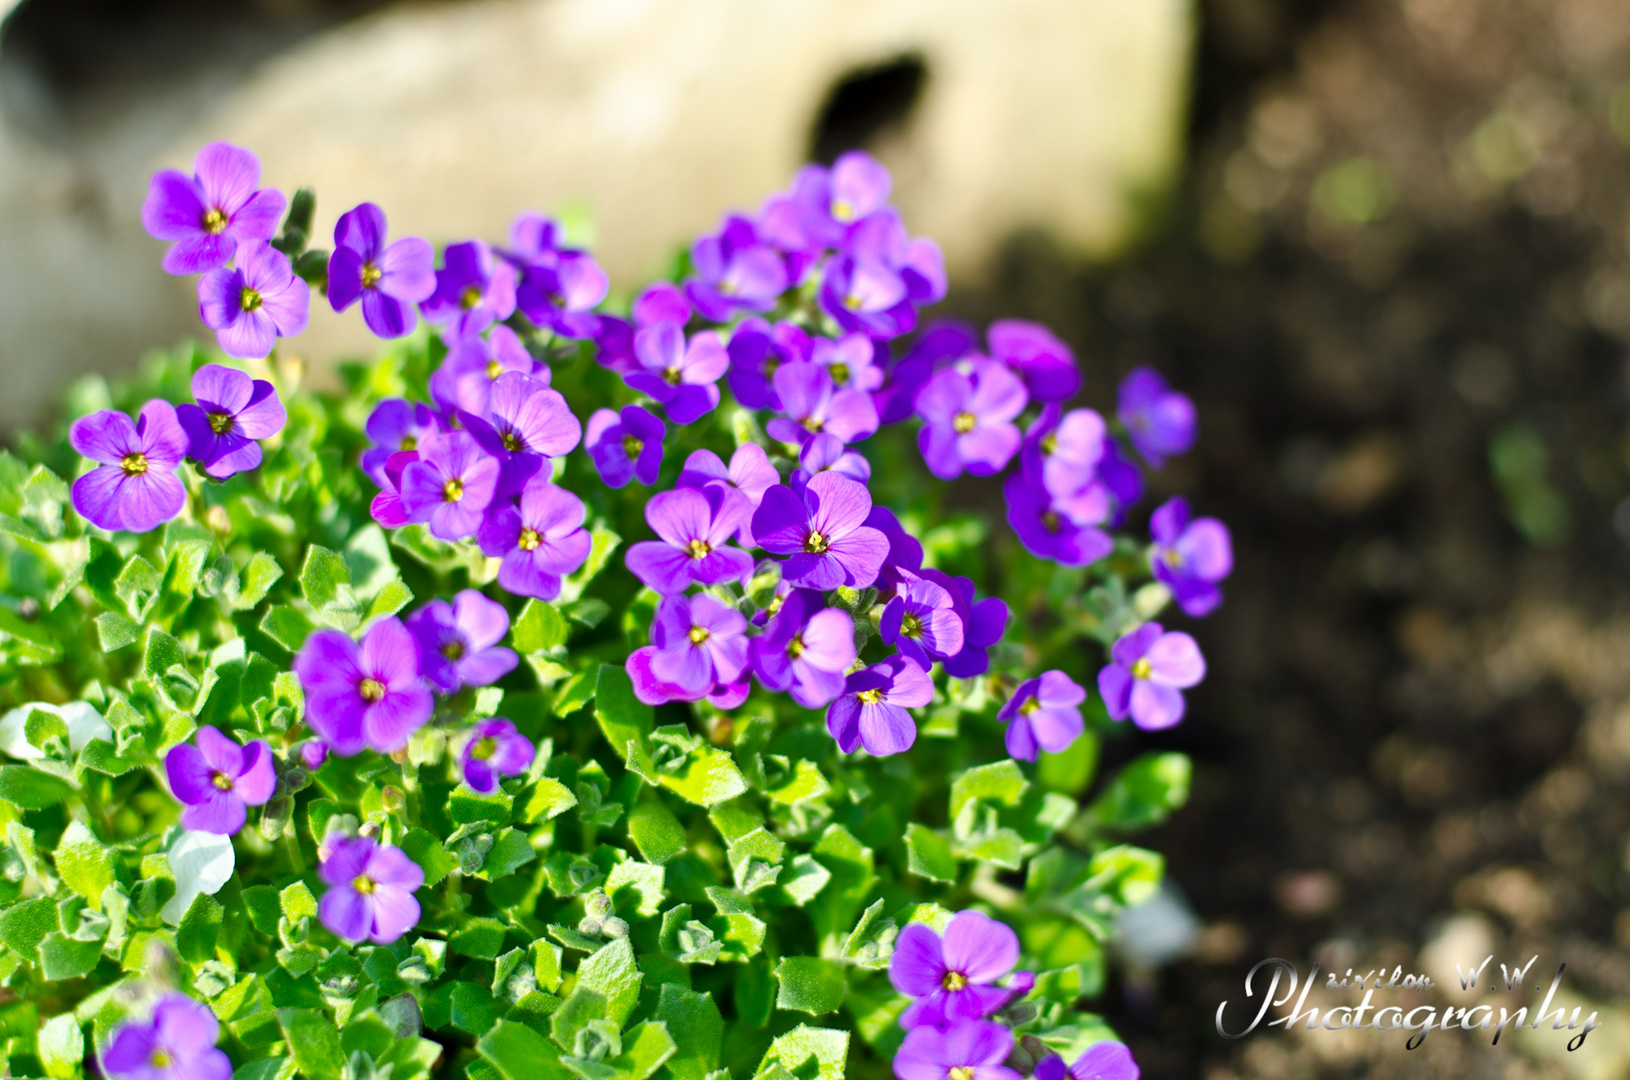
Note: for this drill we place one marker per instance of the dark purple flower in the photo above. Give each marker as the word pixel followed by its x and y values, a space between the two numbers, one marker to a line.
pixel 364 696
pixel 875 286
pixel 805 649
pixel 681 376
pixel 905 552
pixel 821 529
pixel 394 425
pixel 986 622
pixel 1061 451
pixel 614 338
pixel 1148 670
pixel 813 405
pixel 756 351
pixel 1045 363
pixel 390 279
pixel 526 423
pixel 922 621
pixel 217 779
pixel 1107 1060
pixel 1121 477
pixel 975 1050
pixel 1047 531
pixel 625 446
pixel 451 484
pixel 697 644
pixel 233 411
pixel 851 361
pixel 541 541
pixel 1043 713
pixel 827 453
pixel 386 507
pixel 1190 557
pixel 695 525
pixel 559 286
pixel 177 1043
pixel 734 271
pixel 211 212
pixel 943 341
pixel 750 475
pixel 370 895
pixel 253 304
pixel 871 712
pixel 953 979
pixel 135 487
pixel 494 749
pixel 1159 421
pixel 968 420
pixel 474 364
pixel 458 642
pixel 473 290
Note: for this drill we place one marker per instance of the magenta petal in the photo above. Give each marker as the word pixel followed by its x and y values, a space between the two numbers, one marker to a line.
pixel 980 947
pixel 191 778
pixel 917 967
pixel 347 914
pixel 150 500
pixel 223 814
pixel 258 779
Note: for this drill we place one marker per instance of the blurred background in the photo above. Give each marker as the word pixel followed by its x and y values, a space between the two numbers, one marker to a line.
pixel 1384 243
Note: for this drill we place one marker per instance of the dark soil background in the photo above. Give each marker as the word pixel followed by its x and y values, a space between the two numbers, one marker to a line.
pixel 1395 280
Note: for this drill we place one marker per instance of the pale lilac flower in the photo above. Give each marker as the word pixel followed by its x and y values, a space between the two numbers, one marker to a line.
pixel 831 201
pixel 1148 670
pixel 876 285
pixel 451 485
pixel 851 361
pixel 625 446
pixel 211 212
pixel 370 895
pixel 559 286
pixel 805 649
pixel 1045 363
pixel 135 487
pixel 922 622
pixel 541 541
pixel 679 375
pixel 527 423
pixel 968 420
pixel 473 290
pixel 756 352
pixel 176 1043
pixel 313 753
pixel 1061 453
pixel 821 530
pixel 734 271
pixel 614 337
pixel 389 278
pixel 495 749
pixel 233 411
pixel 474 364
pixel 975 1050
pixel 251 305
pixel 871 711
pixel 697 644
pixel 1190 557
pixel 695 526
pixel 814 404
pixel 1159 421
pixel 953 979
pixel 1047 531
pixel 458 642
pixel 363 696
pixel 750 475
pixel 394 425
pixel 218 779
pixel 827 453
pixel 1043 713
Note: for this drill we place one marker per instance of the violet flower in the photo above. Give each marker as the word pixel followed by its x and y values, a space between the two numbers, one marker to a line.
pixel 968 420
pixel 495 749
pixel 986 622
pixel 176 1043
pixel 821 530
pixel 1107 1060
pixel 135 487
pixel 833 200
pixel 389 279
pixel 211 212
pixel 1190 557
pixel 541 541
pixel 695 526
pixel 386 507
pixel 218 779
pixel 875 286
pixel 527 423
pixel 1148 670
pixel 473 290
pixel 750 474
pixel 697 644
pixel 1043 713
pixel 233 411
pixel 954 979
pixel 1045 363
pixel 394 425
pixel 871 712
pixel 474 364
pixel 756 351
pixel 614 337
pixel 905 551
pixel 458 642
pixel 976 1050
pixel 922 622
pixel 943 341
pixel 251 305
pixel 805 649
pixel 851 361
pixel 1047 531
pixel 450 485
pixel 681 376
pixel 814 404
pixel 559 286
pixel 625 446
pixel 1120 475
pixel 1159 421
pixel 734 271
pixel 370 895
pixel 363 696
pixel 826 452
pixel 1061 452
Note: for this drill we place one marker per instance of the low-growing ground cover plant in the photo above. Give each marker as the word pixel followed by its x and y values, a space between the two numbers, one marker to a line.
pixel 584 689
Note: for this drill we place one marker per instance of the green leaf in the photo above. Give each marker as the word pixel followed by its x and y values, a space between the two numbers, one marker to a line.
pixel 1144 793
pixel 510 850
pixel 828 1048
pixel 543 801
pixel 539 628
pixel 314 1042
pixel 166 665
pixel 61 1046
pixel 625 720
pixel 325 581
pixel 83 863
pixel 999 782
pixel 258 578
pixel 287 626
pixel 297 902
pixel 519 1053
pixel 482 938
pixel 697 1029
pixel 656 832
pixel 804 879
pixel 809 984
pixel 710 778
pixel 263 907
pixel 390 599
pixel 114 631
pixel 1129 874
pixel 31 789
pixel 63 957
pixel 645 1048
pixel 424 849
pixel 199 928
pixel 612 973
pixel 24 925
pixel 806 783
pixel 635 888
pixel 1070 771
pixel 737 926
pixel 928 854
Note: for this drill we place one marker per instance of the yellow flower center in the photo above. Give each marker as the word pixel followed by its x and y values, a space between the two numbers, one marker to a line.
pixel 795 647
pixel 494 369
pixel 697 549
pixel 512 442
pixel 813 424
pixel 1030 706
pixel 842 209
pixel 955 980
pixel 470 297
pixel 249 299
pixel 161 1059
pixel 853 301
pixel 214 221
pixel 529 540
pixel 371 275
pixel 453 490
pixel 816 543
pixel 961 1072
pixel 1171 557
pixel 371 689
pixel 221 781
pixel 363 884
pixel 220 422
pixel 869 697
pixel 453 650
pixel 770 364
pixel 1050 521
pixel 1142 669
pixel 632 446
pixel 409 442
pixel 840 373
pixel 911 626
pixel 134 464
pixel 673 375
pixel 1049 444
pixel 698 634
pixel 484 748
pixel 964 422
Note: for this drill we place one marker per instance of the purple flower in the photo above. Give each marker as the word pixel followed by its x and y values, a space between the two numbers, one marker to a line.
pixel 450 485
pixel 494 749
pixel 1159 421
pixel 680 376
pixel 750 475
pixel 370 895
pixel 922 622
pixel 1048 532
pixel 735 271
pixel 1044 713
pixel 821 529
pixel 177 1043
pixel 873 288
pixel 831 201
pixel 474 364
pixel 313 753
pixel 1061 452
pixel 233 411
pixel 905 552
pixel 364 696
pixel 972 1051
pixel 851 361
pixel 135 487
pixel 625 446
pixel 697 644
pixel 986 622
pixel 813 405
pixel 695 525
pixel 527 422
pixel 1120 475
pixel 458 642
pixel 394 425
pixel 805 649
pixel 218 779
pixel 756 352
pixel 473 290
pixel 826 452
pixel 1147 672
pixel 541 541
pixel 662 302
pixel 1107 1060
pixel 390 280
pixel 559 286
pixel 1190 557
pixel 953 979
pixel 1045 363
pixel 871 712
pixel 252 305
pixel 896 399
pixel 968 420
pixel 386 507
pixel 614 337
pixel 213 211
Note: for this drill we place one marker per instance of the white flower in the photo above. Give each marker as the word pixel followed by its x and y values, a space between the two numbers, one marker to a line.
pixel 200 862
pixel 84 724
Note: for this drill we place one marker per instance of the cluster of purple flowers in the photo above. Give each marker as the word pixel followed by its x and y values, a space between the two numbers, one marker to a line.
pixel 961 984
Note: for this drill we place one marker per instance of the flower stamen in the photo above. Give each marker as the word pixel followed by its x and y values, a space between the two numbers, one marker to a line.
pixel 134 464
pixel 371 690
pixel 529 540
